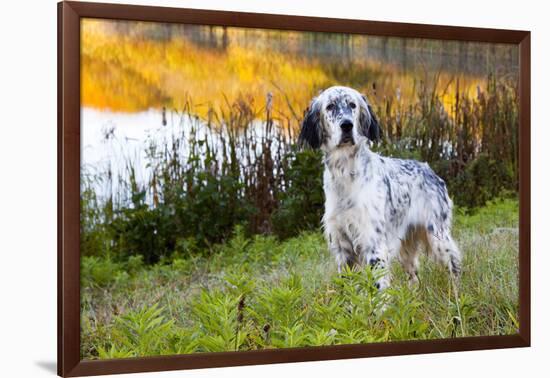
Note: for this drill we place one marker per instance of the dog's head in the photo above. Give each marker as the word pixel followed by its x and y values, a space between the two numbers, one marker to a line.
pixel 339 117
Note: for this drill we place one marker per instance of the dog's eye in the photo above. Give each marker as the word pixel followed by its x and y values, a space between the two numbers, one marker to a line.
pixel 330 106
pixel 352 105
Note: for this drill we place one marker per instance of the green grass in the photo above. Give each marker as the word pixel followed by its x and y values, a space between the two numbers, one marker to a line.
pixel 262 293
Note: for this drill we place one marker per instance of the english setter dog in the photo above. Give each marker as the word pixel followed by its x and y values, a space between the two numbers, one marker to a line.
pixel 376 208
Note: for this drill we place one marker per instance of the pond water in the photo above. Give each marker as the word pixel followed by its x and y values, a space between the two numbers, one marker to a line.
pixel 131 71
pixel 110 139
pixel 115 141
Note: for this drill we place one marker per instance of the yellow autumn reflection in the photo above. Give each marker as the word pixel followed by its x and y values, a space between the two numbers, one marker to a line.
pixel 134 66
pixel 128 74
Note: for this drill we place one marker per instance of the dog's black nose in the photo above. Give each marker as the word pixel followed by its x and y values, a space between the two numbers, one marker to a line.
pixel 346 126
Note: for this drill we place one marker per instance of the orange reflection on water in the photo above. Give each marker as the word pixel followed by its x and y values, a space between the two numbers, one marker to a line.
pixel 135 66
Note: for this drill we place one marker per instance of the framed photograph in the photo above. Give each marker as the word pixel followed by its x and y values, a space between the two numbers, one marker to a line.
pixel 239 188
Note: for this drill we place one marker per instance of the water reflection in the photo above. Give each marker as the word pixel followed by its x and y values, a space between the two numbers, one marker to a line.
pixel 143 83
pixel 134 66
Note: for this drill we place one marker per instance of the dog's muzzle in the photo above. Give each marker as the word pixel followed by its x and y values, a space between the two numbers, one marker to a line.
pixel 347 132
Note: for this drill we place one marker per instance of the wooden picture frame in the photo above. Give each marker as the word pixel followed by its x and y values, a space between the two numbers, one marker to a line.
pixel 69 16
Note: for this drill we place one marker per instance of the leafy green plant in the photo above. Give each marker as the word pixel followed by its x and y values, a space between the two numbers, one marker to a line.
pixel 96 271
pixel 114 352
pixel 144 332
pixel 403 316
pixel 221 321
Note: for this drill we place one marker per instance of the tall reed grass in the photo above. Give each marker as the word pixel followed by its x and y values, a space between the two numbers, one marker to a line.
pixel 242 167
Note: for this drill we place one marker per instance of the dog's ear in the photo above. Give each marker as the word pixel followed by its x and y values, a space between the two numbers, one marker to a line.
pixel 368 121
pixel 311 133
pixel 374 131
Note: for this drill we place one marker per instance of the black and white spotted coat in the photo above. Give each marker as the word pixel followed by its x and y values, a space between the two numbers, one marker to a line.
pixel 377 208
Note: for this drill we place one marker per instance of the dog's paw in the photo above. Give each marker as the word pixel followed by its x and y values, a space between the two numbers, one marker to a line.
pixel 382 283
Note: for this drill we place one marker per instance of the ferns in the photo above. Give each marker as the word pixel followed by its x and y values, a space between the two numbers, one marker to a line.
pixel 352 310
pixel 142 331
pixel 114 352
pixel 218 318
pixel 261 293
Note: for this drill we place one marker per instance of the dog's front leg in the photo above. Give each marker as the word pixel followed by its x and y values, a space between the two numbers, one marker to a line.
pixel 341 247
pixel 375 253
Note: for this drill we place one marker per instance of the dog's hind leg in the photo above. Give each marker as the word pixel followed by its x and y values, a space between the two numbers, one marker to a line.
pixel 444 249
pixel 409 251
pixel 408 256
